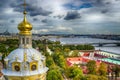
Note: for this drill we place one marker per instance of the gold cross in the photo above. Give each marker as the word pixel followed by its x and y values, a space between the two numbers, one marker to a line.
pixel 24 4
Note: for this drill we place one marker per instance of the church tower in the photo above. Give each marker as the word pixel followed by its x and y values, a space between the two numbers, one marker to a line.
pixel 25 63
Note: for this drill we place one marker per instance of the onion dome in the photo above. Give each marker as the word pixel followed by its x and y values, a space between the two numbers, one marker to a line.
pixel 25 27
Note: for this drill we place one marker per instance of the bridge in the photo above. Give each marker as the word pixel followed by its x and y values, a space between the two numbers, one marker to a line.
pixel 97 44
pixel 100 44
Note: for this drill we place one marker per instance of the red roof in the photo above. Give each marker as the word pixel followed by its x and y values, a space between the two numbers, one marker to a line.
pixel 78 59
pixel 74 59
pixel 71 61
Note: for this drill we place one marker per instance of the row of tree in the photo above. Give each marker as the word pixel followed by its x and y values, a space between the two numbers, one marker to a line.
pixel 58 68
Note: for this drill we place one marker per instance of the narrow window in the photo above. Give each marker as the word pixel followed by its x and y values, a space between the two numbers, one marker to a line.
pixel 23 40
pixel 27 40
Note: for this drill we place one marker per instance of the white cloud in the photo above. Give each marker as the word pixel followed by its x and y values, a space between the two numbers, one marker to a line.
pixel 93 18
pixel 53 29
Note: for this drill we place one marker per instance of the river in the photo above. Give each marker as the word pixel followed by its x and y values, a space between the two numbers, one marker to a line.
pixel 109 47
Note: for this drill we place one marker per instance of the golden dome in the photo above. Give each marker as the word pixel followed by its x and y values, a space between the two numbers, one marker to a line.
pixel 25 27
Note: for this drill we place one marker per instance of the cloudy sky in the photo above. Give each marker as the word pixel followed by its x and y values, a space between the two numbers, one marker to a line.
pixel 63 16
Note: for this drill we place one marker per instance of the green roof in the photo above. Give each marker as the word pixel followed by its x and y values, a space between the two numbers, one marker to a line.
pixel 110 60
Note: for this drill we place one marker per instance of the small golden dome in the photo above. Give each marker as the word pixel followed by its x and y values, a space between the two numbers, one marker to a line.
pixel 25 27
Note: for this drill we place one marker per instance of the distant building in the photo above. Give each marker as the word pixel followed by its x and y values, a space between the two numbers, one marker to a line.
pixel 4 38
pixel 96 55
pixel 6 33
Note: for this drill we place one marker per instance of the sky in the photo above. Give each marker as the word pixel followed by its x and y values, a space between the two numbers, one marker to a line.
pixel 62 16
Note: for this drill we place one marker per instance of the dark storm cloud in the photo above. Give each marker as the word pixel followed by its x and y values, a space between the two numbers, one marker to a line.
pixel 58 16
pixel 44 21
pixel 72 15
pixel 104 11
pixel 38 11
pixel 95 3
pixel 107 3
pixel 4 4
pixel 12 21
pixel 33 10
pixel 35 19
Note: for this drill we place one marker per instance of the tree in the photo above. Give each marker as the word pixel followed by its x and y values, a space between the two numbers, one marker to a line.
pixel 61 61
pixel 91 66
pixel 74 73
pixel 102 78
pixel 116 70
pixel 80 47
pixel 85 47
pixel 57 50
pixel 2 48
pixel 92 77
pixel 11 48
pixel 50 62
pixel 95 77
pixel 54 74
pixel 57 42
pixel 102 69
pixel 66 51
pixel 88 47
pixel 41 47
pixel 75 53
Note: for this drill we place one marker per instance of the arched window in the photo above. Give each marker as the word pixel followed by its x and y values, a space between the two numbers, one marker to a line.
pixel 17 68
pixel 33 67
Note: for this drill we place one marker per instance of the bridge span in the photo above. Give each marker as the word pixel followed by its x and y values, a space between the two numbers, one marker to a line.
pixel 105 43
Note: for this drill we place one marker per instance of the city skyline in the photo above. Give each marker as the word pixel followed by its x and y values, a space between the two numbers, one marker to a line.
pixel 63 16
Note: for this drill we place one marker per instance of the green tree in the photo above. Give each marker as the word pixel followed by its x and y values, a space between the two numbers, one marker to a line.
pixel 116 70
pixel 57 42
pixel 51 47
pixel 57 50
pixel 102 78
pixel 85 47
pixel 75 53
pixel 80 47
pixel 2 48
pixel 50 62
pixel 102 69
pixel 74 73
pixel 61 61
pixel 66 52
pixel 92 77
pixel 41 47
pixel 11 48
pixel 91 66
pixel 54 74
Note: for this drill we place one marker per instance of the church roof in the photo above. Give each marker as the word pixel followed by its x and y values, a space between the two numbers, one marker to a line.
pixel 19 54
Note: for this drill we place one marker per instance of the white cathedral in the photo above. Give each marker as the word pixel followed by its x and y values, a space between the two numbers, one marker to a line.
pixel 25 63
